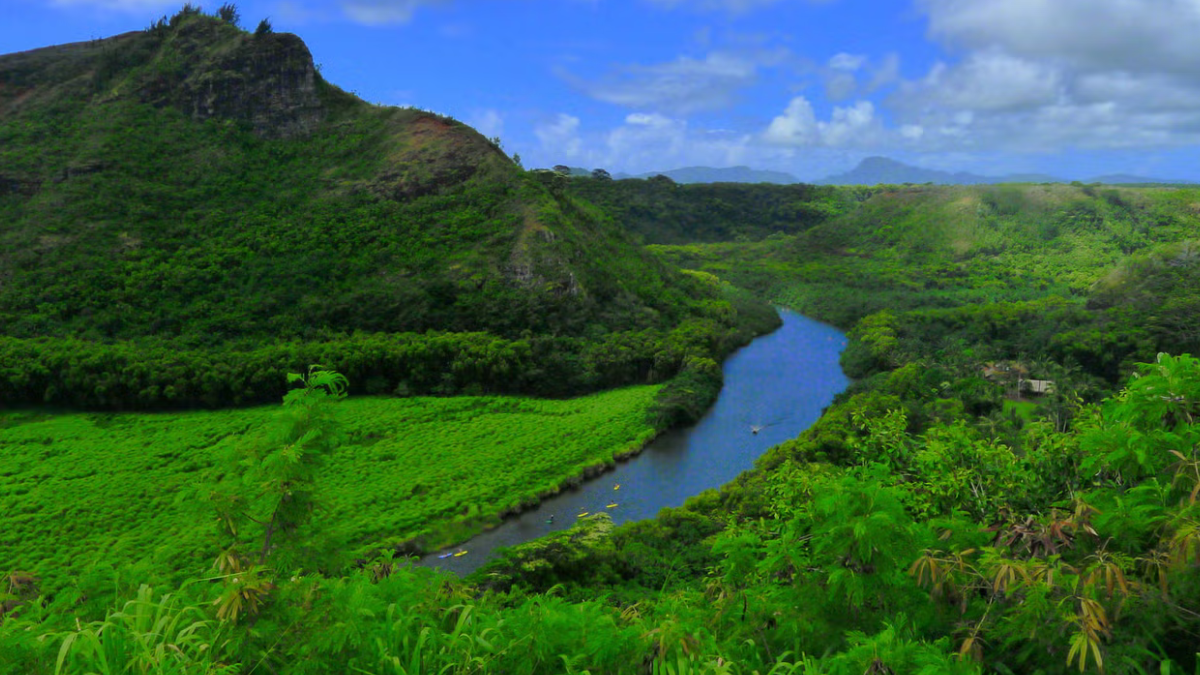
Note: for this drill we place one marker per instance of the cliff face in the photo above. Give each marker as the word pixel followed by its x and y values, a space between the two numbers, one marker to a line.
pixel 205 68
pixel 267 81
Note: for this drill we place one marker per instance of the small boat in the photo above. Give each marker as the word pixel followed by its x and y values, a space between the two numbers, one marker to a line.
pixel 617 486
pixel 582 514
pixel 611 506
pixel 459 554
pixel 445 555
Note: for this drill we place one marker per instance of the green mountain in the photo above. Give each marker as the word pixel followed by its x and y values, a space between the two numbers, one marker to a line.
pixel 197 187
pixel 661 211
pixel 942 516
pixel 881 170
pixel 728 174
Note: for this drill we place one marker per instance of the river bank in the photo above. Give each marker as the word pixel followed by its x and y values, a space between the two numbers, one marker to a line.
pixel 778 384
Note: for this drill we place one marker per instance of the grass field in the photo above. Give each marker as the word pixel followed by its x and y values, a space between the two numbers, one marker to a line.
pixel 82 489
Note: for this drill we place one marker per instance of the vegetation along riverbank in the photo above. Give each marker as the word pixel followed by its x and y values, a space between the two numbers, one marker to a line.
pixel 191 217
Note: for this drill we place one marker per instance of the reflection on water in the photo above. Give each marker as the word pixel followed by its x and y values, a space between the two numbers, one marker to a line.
pixel 776 386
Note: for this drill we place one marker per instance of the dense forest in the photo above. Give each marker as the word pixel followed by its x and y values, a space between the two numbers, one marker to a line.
pixel 945 515
pixel 202 249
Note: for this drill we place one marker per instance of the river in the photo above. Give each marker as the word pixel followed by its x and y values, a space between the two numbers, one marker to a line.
pixel 778 385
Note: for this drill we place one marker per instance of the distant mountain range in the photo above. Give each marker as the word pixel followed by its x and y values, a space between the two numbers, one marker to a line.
pixel 708 174
pixel 874 171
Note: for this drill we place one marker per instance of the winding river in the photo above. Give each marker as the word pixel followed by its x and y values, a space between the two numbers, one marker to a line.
pixel 775 388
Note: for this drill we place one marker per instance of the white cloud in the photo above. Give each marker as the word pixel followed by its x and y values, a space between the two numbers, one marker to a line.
pixel 847 62
pixel 1052 75
pixel 560 136
pixel 1104 34
pixel 848 75
pixel 375 12
pixel 884 73
pixel 488 122
pixel 733 6
pixel 984 81
pixel 851 126
pixel 841 81
pixel 131 6
pixel 680 86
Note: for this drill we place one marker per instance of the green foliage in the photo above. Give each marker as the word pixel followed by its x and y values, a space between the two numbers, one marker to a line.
pixel 937 519
pixel 661 212
pixel 229 13
pixel 153 373
pixel 110 490
pixel 137 228
pixel 151 635
pixel 264 28
pixel 270 484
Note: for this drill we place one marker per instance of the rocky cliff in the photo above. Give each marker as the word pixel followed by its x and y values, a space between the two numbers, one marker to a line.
pixel 206 68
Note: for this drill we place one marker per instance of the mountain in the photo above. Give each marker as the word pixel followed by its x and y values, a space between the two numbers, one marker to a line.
pixel 200 187
pixel 1130 179
pixel 732 174
pixel 881 170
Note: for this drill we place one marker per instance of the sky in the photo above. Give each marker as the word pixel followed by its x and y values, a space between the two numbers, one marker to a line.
pixel 1072 88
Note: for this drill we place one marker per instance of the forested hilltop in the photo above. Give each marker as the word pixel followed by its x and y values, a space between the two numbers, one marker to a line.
pixel 194 207
pixel 1011 485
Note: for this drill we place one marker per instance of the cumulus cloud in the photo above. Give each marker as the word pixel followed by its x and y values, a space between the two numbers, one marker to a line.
pixel 681 86
pixel 644 142
pixel 488 122
pixel 375 12
pixel 848 126
pixel 984 81
pixel 561 136
pixel 1106 34
pixel 841 75
pixel 847 75
pixel 1050 75
pixel 131 6
pixel 733 6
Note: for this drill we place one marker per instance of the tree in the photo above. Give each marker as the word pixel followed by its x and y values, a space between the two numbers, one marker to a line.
pixel 266 497
pixel 228 13
pixel 601 174
pixel 264 28
pixel 563 169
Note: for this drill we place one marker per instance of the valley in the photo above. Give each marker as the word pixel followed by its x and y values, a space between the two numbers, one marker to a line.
pixel 263 345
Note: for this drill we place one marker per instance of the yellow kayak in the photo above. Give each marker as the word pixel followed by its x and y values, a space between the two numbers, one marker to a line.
pixel 617 486
pixel 460 554
pixel 611 506
pixel 582 514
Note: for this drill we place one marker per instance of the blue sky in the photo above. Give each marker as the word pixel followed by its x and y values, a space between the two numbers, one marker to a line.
pixel 1074 88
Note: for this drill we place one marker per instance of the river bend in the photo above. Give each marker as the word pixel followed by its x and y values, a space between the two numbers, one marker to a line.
pixel 775 388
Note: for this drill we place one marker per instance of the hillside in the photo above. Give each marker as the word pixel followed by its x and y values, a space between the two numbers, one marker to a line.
pixel 940 517
pixel 661 211
pixel 881 171
pixel 884 171
pixel 727 174
pixel 197 187
pixel 1117 259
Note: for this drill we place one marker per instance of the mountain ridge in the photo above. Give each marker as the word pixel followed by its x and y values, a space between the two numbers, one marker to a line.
pixel 204 188
pixel 707 174
pixel 883 170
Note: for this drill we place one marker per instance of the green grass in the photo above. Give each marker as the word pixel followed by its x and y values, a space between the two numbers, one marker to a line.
pixel 938 247
pixel 82 489
pixel 1026 410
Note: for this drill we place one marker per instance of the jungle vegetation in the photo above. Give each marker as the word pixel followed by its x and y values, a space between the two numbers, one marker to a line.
pixel 939 518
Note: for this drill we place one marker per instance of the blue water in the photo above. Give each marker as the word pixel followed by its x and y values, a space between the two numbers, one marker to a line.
pixel 779 384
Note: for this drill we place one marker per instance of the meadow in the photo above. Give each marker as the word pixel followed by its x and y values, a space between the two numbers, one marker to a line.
pixel 121 489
